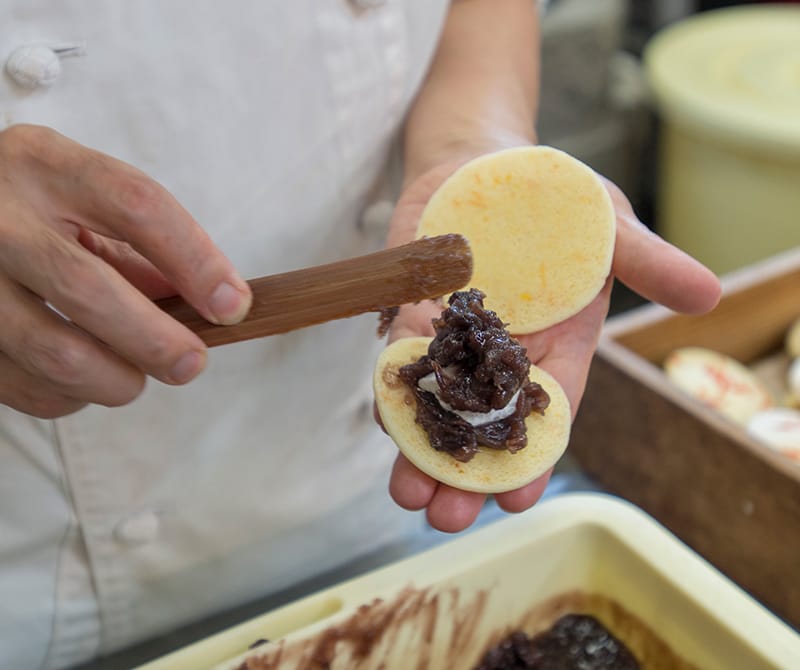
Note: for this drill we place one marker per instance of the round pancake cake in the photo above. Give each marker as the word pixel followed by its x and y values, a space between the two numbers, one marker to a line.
pixel 793 383
pixel 541 227
pixel 779 429
pixel 718 381
pixel 490 470
pixel 793 339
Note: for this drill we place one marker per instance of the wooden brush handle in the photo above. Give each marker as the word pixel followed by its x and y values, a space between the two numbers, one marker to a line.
pixel 423 269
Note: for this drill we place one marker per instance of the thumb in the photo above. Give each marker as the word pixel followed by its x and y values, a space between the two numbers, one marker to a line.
pixel 657 270
pixel 415 320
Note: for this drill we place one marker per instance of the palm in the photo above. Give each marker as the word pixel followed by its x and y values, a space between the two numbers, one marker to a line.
pixel 643 261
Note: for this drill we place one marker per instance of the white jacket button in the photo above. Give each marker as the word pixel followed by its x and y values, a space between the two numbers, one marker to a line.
pixel 33 66
pixel 138 529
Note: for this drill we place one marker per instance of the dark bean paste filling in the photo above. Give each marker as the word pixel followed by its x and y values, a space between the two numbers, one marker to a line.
pixel 386 315
pixel 479 367
pixel 575 642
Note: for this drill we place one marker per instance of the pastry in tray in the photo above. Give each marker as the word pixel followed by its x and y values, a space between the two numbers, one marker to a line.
pixel 719 381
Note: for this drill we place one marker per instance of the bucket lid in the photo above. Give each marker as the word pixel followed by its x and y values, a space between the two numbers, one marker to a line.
pixel 732 72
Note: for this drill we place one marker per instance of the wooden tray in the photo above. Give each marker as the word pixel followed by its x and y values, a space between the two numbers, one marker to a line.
pixel 734 501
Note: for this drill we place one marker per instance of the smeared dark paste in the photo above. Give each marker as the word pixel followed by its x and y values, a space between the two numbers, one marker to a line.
pixel 575 642
pixel 386 316
pixel 479 367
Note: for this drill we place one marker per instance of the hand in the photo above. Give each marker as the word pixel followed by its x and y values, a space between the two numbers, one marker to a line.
pixel 643 261
pixel 86 242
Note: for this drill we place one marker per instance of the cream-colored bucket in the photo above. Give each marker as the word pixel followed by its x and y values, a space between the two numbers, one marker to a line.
pixel 727 86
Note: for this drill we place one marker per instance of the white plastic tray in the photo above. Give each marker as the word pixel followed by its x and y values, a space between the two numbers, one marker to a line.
pixel 444 607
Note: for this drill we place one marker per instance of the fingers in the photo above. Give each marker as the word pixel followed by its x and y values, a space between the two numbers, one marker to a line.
pixel 448 510
pixel 33 395
pixel 525 497
pixel 415 320
pixel 116 200
pixel 48 355
pixel 656 269
pixel 97 299
pixel 95 239
pixel 452 510
pixel 134 267
pixel 566 349
pixel 409 487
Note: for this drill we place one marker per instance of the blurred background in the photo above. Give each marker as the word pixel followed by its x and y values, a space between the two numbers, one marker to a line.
pixel 598 103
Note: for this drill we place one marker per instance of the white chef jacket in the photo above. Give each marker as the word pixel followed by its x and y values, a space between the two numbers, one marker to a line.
pixel 271 122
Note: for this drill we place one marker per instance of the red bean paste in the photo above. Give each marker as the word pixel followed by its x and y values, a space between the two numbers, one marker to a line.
pixel 485 368
pixel 386 315
pixel 575 642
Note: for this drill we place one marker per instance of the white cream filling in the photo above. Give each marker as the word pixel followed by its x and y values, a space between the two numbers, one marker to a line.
pixel 429 383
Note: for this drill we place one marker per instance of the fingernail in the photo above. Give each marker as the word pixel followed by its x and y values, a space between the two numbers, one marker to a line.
pixel 188 367
pixel 227 304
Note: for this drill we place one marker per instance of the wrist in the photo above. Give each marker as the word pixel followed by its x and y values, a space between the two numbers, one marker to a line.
pixel 423 154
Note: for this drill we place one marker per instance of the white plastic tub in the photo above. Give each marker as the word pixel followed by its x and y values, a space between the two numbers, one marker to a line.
pixel 727 86
pixel 445 607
